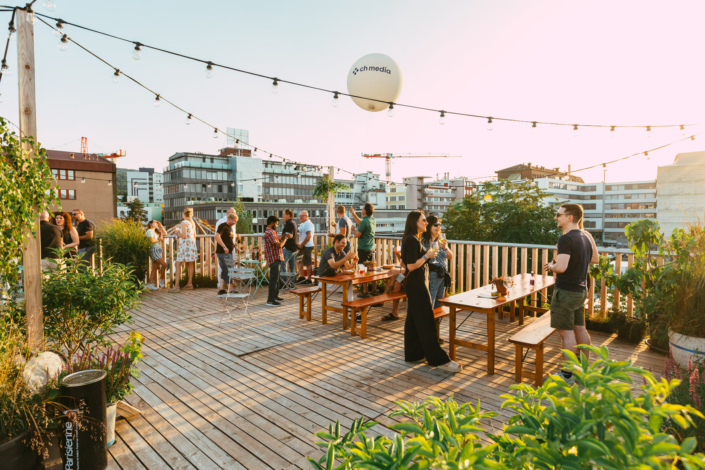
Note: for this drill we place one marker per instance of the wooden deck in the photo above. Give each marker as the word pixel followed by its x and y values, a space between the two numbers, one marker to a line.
pixel 251 393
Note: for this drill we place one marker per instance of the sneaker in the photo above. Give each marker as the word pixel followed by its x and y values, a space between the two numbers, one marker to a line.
pixel 362 296
pixel 567 376
pixel 279 299
pixel 273 304
pixel 151 287
pixel 358 317
pixel 306 282
pixel 222 292
pixel 452 366
pixel 300 280
pixel 161 284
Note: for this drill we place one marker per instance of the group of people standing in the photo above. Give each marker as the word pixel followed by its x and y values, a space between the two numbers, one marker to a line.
pixel 72 233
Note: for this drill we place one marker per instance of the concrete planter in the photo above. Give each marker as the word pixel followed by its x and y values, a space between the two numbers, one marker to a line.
pixel 683 347
pixel 111 411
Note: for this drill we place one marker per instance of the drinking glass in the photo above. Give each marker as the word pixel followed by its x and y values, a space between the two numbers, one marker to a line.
pixel 435 245
pixel 361 269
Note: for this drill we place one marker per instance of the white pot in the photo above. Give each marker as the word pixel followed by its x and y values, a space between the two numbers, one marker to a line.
pixel 110 433
pixel 683 347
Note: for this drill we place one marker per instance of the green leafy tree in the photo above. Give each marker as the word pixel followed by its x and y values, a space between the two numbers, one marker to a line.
pixel 244 218
pixel 324 187
pixel 25 190
pixel 507 212
pixel 136 213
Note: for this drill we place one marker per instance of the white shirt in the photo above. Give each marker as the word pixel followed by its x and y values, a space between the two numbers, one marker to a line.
pixel 303 228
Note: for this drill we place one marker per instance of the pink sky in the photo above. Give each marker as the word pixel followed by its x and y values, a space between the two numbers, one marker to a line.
pixel 598 62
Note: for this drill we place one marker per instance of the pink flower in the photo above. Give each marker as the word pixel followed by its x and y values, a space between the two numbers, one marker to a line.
pixel 690 365
pixel 694 385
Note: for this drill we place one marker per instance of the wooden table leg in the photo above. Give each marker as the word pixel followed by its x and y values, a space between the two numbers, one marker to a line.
pixel 500 312
pixel 451 334
pixel 539 365
pixel 324 308
pixel 309 301
pixel 519 363
pixel 301 305
pixel 521 311
pixel 490 343
pixel 345 309
pixel 363 324
pixel 512 316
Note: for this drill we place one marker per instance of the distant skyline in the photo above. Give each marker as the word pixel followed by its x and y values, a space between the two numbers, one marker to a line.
pixel 614 63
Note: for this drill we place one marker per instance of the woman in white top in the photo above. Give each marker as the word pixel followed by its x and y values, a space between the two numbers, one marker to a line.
pixel 156 233
pixel 188 251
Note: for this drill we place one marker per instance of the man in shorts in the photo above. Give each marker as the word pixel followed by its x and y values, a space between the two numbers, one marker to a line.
pixel 225 247
pixel 576 251
pixel 344 226
pixel 305 245
pixel 365 233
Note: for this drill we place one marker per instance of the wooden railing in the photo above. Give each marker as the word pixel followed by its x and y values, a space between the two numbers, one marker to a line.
pixel 474 264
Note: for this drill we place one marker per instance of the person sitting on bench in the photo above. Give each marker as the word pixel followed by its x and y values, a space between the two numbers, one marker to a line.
pixel 335 257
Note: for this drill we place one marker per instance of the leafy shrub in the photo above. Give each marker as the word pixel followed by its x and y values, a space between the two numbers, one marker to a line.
pixel 597 423
pixel 82 308
pixel 691 391
pixel 125 242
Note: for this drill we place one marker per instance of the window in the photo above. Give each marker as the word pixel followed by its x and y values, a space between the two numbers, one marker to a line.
pixel 67 194
pixel 63 174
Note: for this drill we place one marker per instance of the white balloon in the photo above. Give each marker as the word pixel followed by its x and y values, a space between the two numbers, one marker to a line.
pixel 375 76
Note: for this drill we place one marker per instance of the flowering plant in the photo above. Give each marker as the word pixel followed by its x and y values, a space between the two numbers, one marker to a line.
pixel 691 391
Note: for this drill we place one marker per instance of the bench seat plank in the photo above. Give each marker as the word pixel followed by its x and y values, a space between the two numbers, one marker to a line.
pixel 377 299
pixel 535 333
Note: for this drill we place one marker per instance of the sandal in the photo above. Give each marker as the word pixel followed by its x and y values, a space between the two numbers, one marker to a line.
pixel 188 287
pixel 175 290
pixel 389 317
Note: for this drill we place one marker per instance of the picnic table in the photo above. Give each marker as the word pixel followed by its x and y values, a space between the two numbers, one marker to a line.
pixel 474 301
pixel 347 281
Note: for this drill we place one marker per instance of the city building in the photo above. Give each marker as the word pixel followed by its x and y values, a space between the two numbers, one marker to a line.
pixel 364 187
pixel 681 191
pixel 530 172
pixel 154 210
pixel 288 182
pixel 146 185
pixel 396 196
pixel 85 181
pixel 435 197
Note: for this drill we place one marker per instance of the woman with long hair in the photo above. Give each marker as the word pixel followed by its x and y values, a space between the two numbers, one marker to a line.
pixel 188 251
pixel 438 266
pixel 156 233
pixel 68 233
pixel 420 340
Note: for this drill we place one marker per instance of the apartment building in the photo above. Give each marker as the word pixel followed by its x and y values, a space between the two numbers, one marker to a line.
pixel 681 191
pixel 435 197
pixel 146 185
pixel 396 196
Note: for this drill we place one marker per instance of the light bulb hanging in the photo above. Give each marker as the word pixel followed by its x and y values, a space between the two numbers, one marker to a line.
pixel 157 101
pixel 64 44
pixel 188 119
pixel 59 30
pixel 612 132
pixel 134 185
pixel 442 119
pixel 185 187
pixel 110 182
pixel 533 125
pixel 232 185
pixel 254 152
pixel 83 180
pixel 215 133
pixel 336 100
pixel 49 5
pixel 575 130
pixel 11 30
pixel 30 13
pixel 209 70
pixel 682 130
pixel 390 111
pixel 209 185
pixel 5 70
pixel 116 76
pixel 275 86
pixel 137 52
pixel 490 126
pixel 648 129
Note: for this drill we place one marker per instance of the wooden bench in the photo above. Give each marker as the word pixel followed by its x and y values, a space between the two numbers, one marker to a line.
pixel 362 305
pixel 305 292
pixel 438 314
pixel 532 337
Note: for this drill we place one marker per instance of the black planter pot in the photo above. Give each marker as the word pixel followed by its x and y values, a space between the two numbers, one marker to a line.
pixel 18 455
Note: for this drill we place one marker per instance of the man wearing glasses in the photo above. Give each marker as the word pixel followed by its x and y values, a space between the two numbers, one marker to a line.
pixel 576 251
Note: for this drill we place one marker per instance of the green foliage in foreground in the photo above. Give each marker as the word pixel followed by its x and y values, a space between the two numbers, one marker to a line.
pixel 599 422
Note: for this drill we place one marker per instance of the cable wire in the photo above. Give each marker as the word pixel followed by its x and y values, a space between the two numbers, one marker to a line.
pixel 311 87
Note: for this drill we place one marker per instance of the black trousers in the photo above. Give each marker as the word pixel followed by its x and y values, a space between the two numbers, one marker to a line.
pixel 420 338
pixel 274 269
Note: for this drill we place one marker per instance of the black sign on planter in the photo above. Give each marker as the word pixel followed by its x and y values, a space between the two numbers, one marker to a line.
pixel 83 441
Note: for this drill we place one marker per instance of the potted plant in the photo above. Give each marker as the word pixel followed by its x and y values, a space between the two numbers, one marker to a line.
pixel 370 265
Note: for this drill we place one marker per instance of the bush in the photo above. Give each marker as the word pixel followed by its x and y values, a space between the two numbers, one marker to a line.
pixel 597 423
pixel 631 329
pixel 691 391
pixel 610 324
pixel 125 242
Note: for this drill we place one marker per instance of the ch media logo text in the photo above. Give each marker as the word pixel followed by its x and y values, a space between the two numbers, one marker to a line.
pixel 365 68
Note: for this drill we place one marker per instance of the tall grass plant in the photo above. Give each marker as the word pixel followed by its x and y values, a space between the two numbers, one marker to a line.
pixel 125 242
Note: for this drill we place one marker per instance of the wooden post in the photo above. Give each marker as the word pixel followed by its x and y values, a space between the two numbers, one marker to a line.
pixel 31 250
pixel 330 204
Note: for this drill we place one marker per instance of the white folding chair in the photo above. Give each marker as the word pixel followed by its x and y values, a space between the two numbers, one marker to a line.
pixel 288 280
pixel 244 279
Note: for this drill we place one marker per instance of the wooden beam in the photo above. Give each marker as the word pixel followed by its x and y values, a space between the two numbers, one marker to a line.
pixel 31 250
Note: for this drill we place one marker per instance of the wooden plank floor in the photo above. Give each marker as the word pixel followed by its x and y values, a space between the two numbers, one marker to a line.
pixel 250 393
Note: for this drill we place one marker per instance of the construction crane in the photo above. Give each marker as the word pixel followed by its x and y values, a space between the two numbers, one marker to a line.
pixel 388 159
pixel 112 156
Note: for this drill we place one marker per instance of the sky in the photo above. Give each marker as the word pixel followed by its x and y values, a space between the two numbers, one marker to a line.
pixel 598 62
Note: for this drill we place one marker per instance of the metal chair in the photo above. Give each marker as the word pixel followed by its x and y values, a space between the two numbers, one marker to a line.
pixel 244 279
pixel 288 280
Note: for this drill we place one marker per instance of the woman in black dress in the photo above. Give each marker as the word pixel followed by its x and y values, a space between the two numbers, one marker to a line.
pixel 420 341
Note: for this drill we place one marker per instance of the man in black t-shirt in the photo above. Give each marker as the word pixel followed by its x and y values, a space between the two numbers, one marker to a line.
pixel 51 239
pixel 225 246
pixel 576 251
pixel 335 257
pixel 290 247
pixel 86 234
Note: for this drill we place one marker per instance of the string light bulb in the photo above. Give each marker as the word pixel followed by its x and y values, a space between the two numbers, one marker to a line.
pixel 215 133
pixel 682 130
pixel 648 129
pixel 209 185
pixel 611 132
pixel 64 44
pixel 83 180
pixel 533 125
pixel 390 111
pixel 12 31
pixel 209 70
pixel 270 155
pixel 188 119
pixel 692 137
pixel 134 185
pixel 59 30
pixel 254 152
pixel 30 13
pixel 110 182
pixel 575 130
pixel 5 70
pixel 116 76
pixel 49 5
pixel 275 86
pixel 336 100
pixel 137 52
pixel 490 125
pixel 157 101
pixel 185 187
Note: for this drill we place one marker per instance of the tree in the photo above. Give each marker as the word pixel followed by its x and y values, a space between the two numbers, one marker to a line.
pixel 506 212
pixel 244 218
pixel 136 213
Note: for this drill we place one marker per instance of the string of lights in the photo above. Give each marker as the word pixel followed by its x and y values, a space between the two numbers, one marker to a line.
pixel 209 73
pixel 4 68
